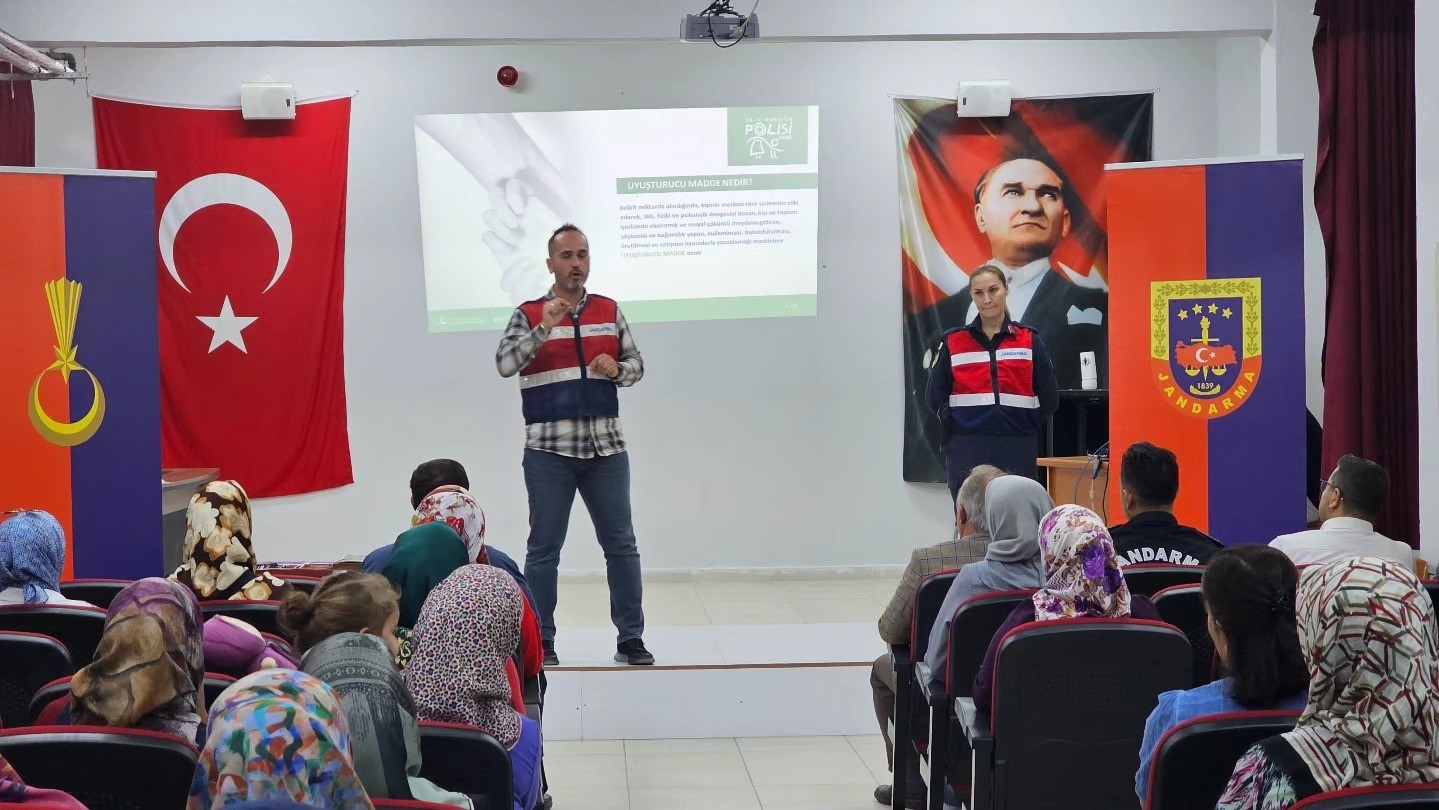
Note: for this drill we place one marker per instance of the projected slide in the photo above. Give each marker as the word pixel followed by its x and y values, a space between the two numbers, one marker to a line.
pixel 692 214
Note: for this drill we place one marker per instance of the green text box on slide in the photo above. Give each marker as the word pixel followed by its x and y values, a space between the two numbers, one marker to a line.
pixel 778 181
pixel 679 309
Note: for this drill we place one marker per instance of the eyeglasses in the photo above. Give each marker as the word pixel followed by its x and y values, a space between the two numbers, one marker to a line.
pixel 1325 483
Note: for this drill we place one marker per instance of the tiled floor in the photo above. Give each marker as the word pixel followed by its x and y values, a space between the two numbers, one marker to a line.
pixel 689 604
pixel 799 773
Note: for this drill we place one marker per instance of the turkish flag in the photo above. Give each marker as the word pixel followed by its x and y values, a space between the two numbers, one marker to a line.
pixel 252 286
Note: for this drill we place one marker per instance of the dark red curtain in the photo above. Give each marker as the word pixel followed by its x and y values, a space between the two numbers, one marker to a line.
pixel 1364 195
pixel 17 122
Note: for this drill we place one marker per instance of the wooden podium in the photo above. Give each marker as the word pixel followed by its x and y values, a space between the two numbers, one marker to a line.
pixel 1071 479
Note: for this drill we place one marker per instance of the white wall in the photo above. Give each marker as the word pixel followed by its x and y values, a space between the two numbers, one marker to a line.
pixel 762 443
pixel 1426 129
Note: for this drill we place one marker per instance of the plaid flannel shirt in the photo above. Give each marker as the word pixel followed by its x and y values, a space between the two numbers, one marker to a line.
pixel 577 438
pixel 894 624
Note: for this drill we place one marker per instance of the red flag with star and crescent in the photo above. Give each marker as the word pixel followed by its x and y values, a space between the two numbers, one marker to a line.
pixel 252 284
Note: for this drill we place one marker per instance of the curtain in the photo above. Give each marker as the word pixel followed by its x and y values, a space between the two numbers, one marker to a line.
pixel 17 122
pixel 1364 196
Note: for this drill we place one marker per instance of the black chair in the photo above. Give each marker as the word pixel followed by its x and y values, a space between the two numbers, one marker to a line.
pixel 44 696
pixel 1194 760
pixel 104 768
pixel 78 628
pixel 1413 797
pixel 975 623
pixel 215 685
pixel 1432 587
pixel 1068 713
pixel 263 616
pixel 98 592
pixel 1147 579
pixel 469 761
pixel 1183 607
pixel 31 661
pixel 306 584
pixel 927 600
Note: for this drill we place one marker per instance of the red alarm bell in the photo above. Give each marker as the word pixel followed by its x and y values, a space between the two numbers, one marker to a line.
pixel 507 76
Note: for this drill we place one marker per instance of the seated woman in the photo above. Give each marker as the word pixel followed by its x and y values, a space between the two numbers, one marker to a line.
pixel 1249 593
pixel 1367 633
pixel 1013 507
pixel 468 630
pixel 277 734
pixel 345 633
pixel 219 560
pixel 424 556
pixel 149 670
pixel 32 558
pixel 1082 579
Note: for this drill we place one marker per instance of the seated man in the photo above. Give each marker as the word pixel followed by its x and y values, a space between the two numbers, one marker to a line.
pixel 1349 503
pixel 894 625
pixel 1148 485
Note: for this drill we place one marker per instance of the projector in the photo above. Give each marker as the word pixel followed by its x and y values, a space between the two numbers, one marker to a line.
pixel 722 28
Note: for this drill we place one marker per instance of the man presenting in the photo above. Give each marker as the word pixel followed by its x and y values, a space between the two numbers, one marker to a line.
pixel 564 347
pixel 1020 207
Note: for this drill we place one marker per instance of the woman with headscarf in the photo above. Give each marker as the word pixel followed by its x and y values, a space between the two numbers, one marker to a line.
pixel 149 670
pixel 15 793
pixel 219 559
pixel 1082 580
pixel 1366 629
pixel 1013 507
pixel 423 557
pixel 466 635
pixel 32 559
pixel 277 734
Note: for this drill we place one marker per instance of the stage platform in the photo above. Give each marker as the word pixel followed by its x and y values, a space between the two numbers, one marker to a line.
pixel 748 658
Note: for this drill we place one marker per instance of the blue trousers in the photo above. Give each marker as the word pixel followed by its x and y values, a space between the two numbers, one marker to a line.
pixel 525 763
pixel 604 483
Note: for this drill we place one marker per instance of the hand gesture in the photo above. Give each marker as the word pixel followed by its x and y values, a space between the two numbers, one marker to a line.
pixel 554 312
pixel 605 366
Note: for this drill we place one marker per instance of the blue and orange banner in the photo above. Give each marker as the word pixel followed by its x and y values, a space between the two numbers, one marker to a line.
pixel 80 369
pixel 1206 336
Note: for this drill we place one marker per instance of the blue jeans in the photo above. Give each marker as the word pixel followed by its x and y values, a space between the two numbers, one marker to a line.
pixel 604 484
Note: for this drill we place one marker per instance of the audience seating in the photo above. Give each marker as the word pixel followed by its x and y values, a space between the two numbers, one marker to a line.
pixel 215 685
pixel 927 600
pixel 31 661
pixel 469 761
pixel 1432 587
pixel 975 623
pixel 306 584
pixel 104 768
pixel 283 644
pixel 1413 797
pixel 1067 718
pixel 1147 579
pixel 78 628
pixel 98 592
pixel 381 804
pixel 1194 760
pixel 1183 607
pixel 263 616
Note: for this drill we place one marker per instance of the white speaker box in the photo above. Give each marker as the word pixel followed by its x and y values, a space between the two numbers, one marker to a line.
pixel 267 101
pixel 983 99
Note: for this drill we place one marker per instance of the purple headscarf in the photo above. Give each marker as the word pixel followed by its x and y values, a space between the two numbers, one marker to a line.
pixel 1081 569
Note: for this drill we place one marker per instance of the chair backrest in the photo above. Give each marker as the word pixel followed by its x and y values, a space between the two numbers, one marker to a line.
pixel 1070 702
pixel 215 685
pixel 1183 607
pixel 98 592
pixel 927 600
pixel 469 761
pixel 975 623
pixel 104 768
pixel 1194 760
pixel 263 616
pixel 1432 586
pixel 306 584
pixel 78 628
pixel 44 696
pixel 31 661
pixel 1148 579
pixel 1413 797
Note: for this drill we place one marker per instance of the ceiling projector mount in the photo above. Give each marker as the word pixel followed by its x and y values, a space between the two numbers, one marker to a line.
pixel 720 23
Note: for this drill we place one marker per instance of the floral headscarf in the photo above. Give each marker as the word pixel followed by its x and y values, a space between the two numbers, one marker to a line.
pixel 469 628
pixel 32 553
pixel 149 670
pixel 219 560
pixel 1081 569
pixel 1366 629
pixel 277 734
pixel 455 506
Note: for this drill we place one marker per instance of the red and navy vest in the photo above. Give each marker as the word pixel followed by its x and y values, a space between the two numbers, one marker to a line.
pixel 557 383
pixel 983 378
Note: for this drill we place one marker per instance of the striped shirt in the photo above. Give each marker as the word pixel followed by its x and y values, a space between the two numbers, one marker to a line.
pixel 577 438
